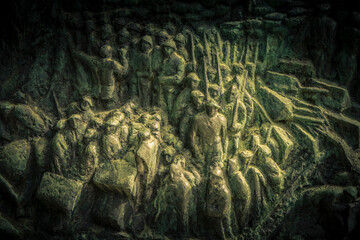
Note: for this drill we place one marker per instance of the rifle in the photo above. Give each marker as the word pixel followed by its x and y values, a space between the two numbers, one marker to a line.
pixel 192 51
pixel 207 96
pixel 206 48
pixel 242 92
pixel 219 76
pixel 257 148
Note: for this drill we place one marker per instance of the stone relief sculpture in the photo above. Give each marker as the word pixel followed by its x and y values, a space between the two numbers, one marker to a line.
pixel 185 132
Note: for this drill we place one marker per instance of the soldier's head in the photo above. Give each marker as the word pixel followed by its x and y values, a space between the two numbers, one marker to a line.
pixel 90 26
pixel 168 154
pixel 214 91
pixel 237 69
pixel 233 166
pixel 149 29
pixel 170 28
pixel 193 80
pixel 134 28
pixel 179 40
pixel 216 175
pixel 95 123
pixel 118 114
pixel 146 43
pixel 74 121
pixel 111 125
pixel 144 119
pixel 86 103
pixel 106 51
pixel 180 159
pixel 212 107
pixel 225 70
pixel 211 73
pixel 162 37
pixel 197 98
pixel 169 47
pixel 106 32
pixel 233 93
pixel 144 134
pixel 124 36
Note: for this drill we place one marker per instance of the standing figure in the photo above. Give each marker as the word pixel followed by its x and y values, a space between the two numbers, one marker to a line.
pixel 180 44
pixel 196 106
pixel 147 160
pixel 170 76
pixel 236 112
pixel 141 81
pixel 184 99
pixel 208 136
pixel 105 66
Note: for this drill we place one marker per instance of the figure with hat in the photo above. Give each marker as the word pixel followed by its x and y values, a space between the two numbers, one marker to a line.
pixel 180 42
pixel 141 80
pixel 105 67
pixel 184 99
pixel 208 136
pixel 170 77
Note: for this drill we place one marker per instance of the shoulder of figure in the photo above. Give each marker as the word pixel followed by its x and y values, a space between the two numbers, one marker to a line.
pixel 178 57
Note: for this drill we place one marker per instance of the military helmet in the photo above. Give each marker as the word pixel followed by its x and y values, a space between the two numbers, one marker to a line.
pixel 105 50
pixel 193 76
pixel 197 94
pixel 88 100
pixel 147 39
pixel 170 43
pixel 180 38
pixel 145 133
pixel 134 27
pixel 163 35
pixel 124 33
pixel 112 122
pixel 212 103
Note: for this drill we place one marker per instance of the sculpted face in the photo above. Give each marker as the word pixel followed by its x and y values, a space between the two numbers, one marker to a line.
pixel 198 101
pixel 85 105
pixel 194 84
pixel 145 46
pixel 211 110
pixel 233 94
pixel 168 51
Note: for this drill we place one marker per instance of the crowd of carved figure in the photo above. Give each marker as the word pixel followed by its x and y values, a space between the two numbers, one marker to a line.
pixel 191 83
pixel 170 122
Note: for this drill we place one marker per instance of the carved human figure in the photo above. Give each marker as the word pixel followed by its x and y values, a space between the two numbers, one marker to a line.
pixel 90 157
pixel 142 79
pixel 110 143
pixel 181 187
pixel 208 136
pixel 218 204
pixel 195 107
pixel 66 146
pixel 180 45
pixel 84 108
pixel 147 160
pixel 184 99
pixel 105 67
pixel 236 112
pixel 241 192
pixel 157 55
pixel 170 76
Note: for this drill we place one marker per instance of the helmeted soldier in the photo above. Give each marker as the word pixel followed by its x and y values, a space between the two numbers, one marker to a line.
pixel 170 76
pixel 106 66
pixel 196 106
pixel 180 44
pixel 142 73
pixel 157 55
pixel 210 129
pixel 184 99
